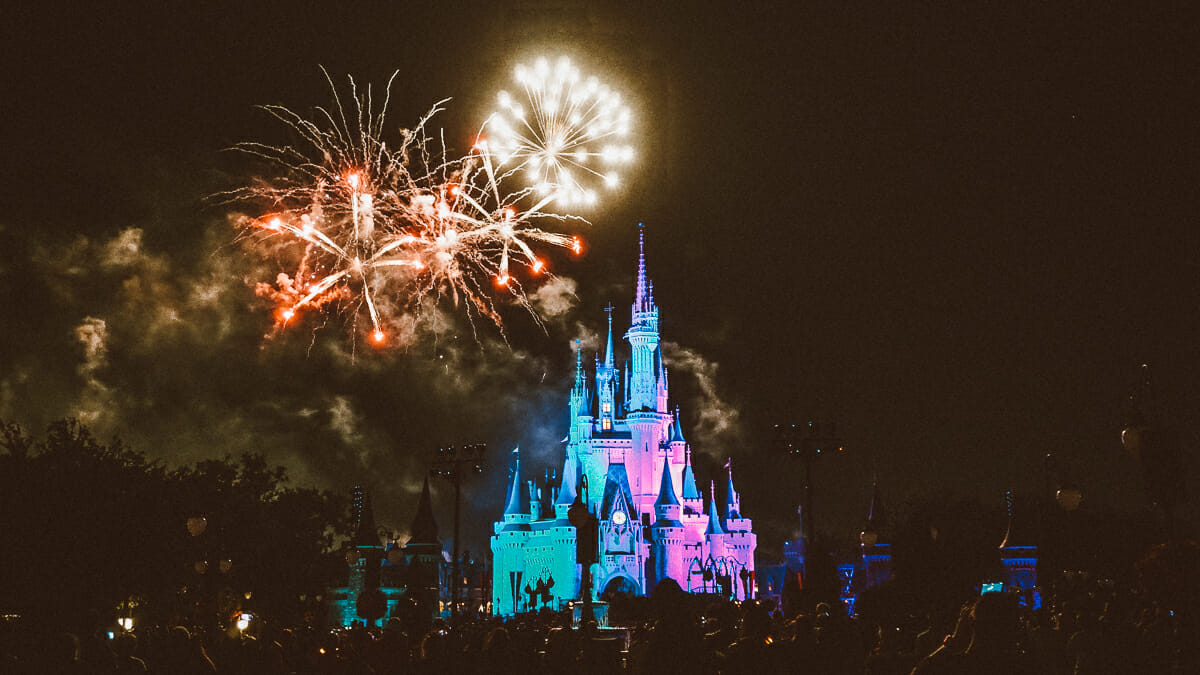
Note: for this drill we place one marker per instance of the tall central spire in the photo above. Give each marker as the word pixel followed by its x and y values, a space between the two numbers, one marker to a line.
pixel 608 355
pixel 641 298
pixel 643 339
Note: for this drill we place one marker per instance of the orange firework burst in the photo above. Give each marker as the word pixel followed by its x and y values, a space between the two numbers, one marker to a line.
pixel 374 230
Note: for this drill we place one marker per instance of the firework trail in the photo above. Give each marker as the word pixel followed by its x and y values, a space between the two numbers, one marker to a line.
pixel 376 230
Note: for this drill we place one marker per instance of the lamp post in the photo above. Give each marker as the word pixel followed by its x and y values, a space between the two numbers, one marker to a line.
pixel 808 441
pixel 587 532
pixel 452 464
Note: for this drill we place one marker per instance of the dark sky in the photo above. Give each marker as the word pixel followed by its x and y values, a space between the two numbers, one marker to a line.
pixel 955 231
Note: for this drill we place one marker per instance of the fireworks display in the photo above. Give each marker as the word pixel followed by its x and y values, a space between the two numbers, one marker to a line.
pixel 570 136
pixel 377 231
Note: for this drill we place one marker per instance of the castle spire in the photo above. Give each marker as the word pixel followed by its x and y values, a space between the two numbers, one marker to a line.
pixel 677 434
pixel 666 490
pixel 579 366
pixel 424 528
pixel 641 299
pixel 518 504
pixel 732 501
pixel 875 516
pixel 689 478
pixel 579 390
pixel 608 354
pixel 714 519
pixel 566 491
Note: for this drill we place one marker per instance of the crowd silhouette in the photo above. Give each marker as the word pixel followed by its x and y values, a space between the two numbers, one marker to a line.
pixel 1092 628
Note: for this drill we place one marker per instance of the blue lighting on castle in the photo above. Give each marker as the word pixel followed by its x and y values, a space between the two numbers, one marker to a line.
pixel 627 445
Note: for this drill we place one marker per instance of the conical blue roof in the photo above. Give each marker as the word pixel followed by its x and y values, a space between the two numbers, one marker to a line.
pixel 666 490
pixel 731 511
pixel 566 491
pixel 518 504
pixel 689 480
pixel 714 519
pixel 676 430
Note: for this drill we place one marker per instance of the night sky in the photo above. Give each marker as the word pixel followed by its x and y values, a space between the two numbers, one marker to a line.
pixel 956 232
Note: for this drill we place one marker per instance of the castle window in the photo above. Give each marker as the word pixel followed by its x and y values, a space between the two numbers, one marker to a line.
pixel 606 424
pixel 605 407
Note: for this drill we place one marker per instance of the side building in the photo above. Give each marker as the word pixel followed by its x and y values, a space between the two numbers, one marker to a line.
pixel 626 456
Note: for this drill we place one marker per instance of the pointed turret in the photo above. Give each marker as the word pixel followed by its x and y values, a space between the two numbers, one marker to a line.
pixel 424 529
pixel 579 390
pixel 714 518
pixel 667 533
pixel 876 518
pixel 517 512
pixel 1012 535
pixel 733 503
pixel 666 491
pixel 689 480
pixel 677 432
pixel 870 535
pixel 566 491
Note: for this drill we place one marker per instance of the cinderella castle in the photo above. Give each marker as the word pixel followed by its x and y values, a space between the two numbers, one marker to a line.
pixel 654 524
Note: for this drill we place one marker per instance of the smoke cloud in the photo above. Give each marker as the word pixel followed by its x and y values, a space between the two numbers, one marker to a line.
pixel 163 345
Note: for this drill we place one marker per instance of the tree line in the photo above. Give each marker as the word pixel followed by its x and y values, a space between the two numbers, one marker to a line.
pixel 94 531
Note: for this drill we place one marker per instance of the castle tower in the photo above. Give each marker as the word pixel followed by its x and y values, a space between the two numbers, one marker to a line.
pixel 508 545
pixel 606 383
pixel 1019 554
pixel 364 560
pixel 876 554
pixel 678 453
pixel 424 553
pixel 714 534
pixel 647 416
pixel 643 340
pixel 740 541
pixel 667 534
pixel 693 502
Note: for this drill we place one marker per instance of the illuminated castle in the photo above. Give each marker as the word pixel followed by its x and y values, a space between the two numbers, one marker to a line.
pixel 629 448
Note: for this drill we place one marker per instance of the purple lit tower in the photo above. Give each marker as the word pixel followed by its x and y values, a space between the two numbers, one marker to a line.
pixel 653 522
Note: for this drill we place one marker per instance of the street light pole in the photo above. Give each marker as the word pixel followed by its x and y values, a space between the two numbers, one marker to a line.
pixel 808 441
pixel 452 463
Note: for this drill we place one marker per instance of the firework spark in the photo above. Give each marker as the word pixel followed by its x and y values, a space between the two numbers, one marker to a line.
pixel 570 137
pixel 374 231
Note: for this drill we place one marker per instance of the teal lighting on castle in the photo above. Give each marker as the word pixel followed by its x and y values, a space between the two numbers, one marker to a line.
pixel 653 522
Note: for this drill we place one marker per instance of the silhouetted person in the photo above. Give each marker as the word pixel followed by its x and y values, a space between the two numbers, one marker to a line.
pixel 675 644
pixel 995 643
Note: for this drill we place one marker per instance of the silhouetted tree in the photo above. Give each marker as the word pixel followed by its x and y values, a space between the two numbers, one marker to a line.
pixel 87 525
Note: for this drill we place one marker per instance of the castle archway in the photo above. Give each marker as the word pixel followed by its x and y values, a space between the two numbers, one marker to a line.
pixel 621 584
